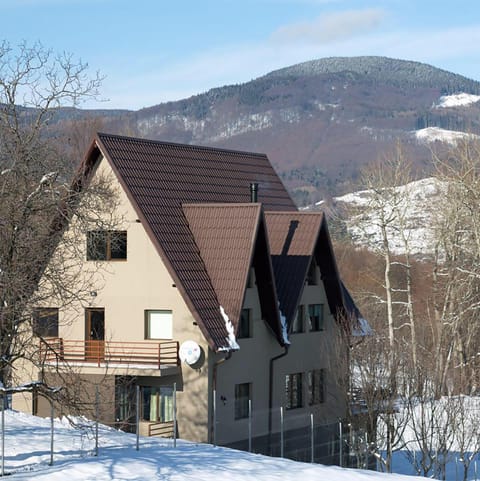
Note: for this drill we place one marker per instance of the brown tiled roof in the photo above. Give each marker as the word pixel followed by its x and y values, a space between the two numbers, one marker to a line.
pixel 232 238
pixel 225 235
pixel 158 177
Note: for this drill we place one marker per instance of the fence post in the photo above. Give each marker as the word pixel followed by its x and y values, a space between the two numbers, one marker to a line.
pixel 312 444
pixel 96 419
pixel 366 451
pixel 281 432
pixel 51 432
pixel 3 435
pixel 214 417
pixel 137 416
pixel 340 443
pixel 249 425
pixel 174 414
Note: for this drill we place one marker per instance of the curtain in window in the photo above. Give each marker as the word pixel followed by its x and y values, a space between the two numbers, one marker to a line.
pixel 158 403
pixel 166 404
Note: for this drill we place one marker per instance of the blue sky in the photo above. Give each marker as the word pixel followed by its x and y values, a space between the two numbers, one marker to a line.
pixel 153 51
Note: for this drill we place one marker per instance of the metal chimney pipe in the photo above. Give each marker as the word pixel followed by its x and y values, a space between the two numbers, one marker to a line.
pixel 253 192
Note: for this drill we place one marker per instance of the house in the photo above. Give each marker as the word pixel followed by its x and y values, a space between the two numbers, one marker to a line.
pixel 213 290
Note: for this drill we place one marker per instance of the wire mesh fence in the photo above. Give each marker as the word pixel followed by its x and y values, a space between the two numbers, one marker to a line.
pixel 293 433
pixel 284 433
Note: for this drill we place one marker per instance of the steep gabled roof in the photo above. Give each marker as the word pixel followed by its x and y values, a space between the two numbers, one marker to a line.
pixel 295 239
pixel 158 177
pixel 292 237
pixel 231 238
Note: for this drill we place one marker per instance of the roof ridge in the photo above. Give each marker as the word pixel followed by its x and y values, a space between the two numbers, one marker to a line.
pixel 292 213
pixel 221 204
pixel 191 147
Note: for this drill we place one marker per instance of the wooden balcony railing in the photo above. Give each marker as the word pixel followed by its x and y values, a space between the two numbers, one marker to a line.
pixel 158 354
pixel 164 430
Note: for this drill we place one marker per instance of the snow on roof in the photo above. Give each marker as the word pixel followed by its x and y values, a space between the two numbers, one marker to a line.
pixel 283 320
pixel 231 340
pixel 457 100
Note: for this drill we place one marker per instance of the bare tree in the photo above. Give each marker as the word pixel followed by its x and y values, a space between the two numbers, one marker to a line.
pixel 384 219
pixel 37 198
pixel 457 270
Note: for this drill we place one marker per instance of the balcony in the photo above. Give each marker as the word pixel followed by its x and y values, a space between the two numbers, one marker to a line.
pixel 101 354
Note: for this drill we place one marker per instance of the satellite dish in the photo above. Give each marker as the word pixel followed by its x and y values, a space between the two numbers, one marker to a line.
pixel 189 352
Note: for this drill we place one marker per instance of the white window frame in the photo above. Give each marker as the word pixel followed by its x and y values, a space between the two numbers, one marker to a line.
pixel 158 324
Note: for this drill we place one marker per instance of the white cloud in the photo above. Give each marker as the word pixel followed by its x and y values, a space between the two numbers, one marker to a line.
pixel 330 27
pixel 237 63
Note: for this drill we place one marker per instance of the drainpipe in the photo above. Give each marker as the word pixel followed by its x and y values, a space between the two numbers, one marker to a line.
pixel 214 390
pixel 270 394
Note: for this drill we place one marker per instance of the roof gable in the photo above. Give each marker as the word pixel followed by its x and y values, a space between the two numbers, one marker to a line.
pixel 225 235
pixel 159 177
pixel 231 238
pixel 293 238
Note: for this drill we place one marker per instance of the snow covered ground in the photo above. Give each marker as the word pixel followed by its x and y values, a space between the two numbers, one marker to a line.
pixel 27 456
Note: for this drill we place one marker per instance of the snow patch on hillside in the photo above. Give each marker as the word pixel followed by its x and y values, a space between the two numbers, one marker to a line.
pixel 432 134
pixel 419 198
pixel 201 129
pixel 457 100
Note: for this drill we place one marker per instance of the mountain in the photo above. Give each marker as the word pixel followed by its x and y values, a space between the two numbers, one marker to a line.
pixel 321 121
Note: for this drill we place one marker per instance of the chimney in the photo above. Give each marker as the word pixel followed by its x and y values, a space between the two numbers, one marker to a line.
pixel 253 192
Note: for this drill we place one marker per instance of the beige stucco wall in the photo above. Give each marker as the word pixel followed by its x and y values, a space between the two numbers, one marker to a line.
pixel 308 351
pixel 125 289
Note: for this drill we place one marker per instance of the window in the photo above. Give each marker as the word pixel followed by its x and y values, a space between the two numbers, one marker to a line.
pixel 312 277
pixel 45 322
pixel 158 324
pixel 294 390
pixel 316 386
pixel 124 399
pixel 298 320
pixel 243 394
pixel 157 403
pixel 251 278
pixel 106 245
pixel 245 327
pixel 315 317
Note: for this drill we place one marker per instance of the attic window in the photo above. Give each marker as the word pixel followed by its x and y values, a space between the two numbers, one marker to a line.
pixel 106 245
pixel 45 321
pixel 251 278
pixel 245 327
pixel 298 320
pixel 315 317
pixel 312 276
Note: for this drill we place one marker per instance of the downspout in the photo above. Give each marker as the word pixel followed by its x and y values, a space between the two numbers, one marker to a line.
pixel 270 393
pixel 214 390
